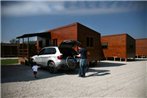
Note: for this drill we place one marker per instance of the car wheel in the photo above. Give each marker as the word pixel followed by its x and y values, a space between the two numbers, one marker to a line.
pixel 51 67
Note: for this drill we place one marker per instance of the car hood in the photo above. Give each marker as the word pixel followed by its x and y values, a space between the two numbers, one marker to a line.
pixel 33 57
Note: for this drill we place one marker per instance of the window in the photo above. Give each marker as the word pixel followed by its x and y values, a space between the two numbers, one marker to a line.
pixel 131 46
pixel 55 42
pixel 41 52
pixel 40 44
pixel 50 51
pixel 47 51
pixel 89 42
pixel 105 45
pixel 47 41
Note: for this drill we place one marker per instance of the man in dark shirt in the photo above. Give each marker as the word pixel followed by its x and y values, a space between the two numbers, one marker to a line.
pixel 83 61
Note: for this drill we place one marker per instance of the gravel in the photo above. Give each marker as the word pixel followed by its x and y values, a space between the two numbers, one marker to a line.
pixel 107 79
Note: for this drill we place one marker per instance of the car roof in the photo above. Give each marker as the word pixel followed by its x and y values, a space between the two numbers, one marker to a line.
pixel 51 47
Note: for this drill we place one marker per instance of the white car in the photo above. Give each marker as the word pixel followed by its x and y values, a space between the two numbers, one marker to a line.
pixel 55 58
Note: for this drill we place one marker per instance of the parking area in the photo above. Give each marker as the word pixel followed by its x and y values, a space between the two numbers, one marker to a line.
pixel 107 79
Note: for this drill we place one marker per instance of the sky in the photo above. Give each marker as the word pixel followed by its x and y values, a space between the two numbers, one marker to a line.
pixel 105 17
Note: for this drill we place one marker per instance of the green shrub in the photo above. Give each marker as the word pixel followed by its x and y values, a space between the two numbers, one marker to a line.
pixel 9 61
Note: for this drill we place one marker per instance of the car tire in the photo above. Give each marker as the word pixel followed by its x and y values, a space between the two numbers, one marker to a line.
pixel 51 67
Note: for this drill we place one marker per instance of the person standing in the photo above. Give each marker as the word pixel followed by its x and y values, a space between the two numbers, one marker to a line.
pixel 35 69
pixel 83 61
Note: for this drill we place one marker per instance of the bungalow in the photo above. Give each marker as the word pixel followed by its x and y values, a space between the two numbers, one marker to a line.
pixel 8 50
pixel 141 47
pixel 118 46
pixel 75 31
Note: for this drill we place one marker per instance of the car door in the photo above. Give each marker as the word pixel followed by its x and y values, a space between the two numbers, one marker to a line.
pixel 49 54
pixel 39 57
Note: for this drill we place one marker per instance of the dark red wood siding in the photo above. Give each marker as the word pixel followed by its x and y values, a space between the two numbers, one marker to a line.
pixel 131 44
pixel 119 46
pixel 77 31
pixel 91 40
pixel 9 50
pixel 68 32
pixel 141 47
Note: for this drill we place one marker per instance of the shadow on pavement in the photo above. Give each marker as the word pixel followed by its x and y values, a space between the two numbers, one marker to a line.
pixel 141 59
pixel 98 72
pixel 18 73
pixel 109 64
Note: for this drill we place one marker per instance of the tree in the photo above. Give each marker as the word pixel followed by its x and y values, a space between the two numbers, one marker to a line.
pixel 13 41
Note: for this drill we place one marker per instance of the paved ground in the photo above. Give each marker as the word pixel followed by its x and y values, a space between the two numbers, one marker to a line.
pixel 108 79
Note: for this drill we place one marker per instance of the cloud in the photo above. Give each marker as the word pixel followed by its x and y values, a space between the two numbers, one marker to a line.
pixel 31 8
pixel 69 7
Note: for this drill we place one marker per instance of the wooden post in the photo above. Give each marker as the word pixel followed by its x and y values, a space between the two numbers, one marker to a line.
pixel 11 50
pixel 115 58
pixel 28 50
pixel 125 59
pixel 23 46
pixel 18 46
pixel 106 58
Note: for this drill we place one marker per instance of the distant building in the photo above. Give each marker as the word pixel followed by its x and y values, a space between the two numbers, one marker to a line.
pixel 141 47
pixel 118 46
pixel 9 50
pixel 75 31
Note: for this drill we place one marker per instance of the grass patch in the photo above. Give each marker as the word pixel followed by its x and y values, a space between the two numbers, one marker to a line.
pixel 9 61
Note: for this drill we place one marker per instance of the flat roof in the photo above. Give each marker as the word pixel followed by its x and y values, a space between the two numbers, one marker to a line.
pixel 72 24
pixel 41 34
pixel 47 33
pixel 141 39
pixel 115 34
pixel 112 35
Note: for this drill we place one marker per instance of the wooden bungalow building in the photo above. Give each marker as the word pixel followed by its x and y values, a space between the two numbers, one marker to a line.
pixel 75 31
pixel 120 46
pixel 9 50
pixel 141 47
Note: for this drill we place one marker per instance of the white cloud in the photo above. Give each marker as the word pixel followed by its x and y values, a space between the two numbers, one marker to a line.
pixel 31 8
pixel 79 7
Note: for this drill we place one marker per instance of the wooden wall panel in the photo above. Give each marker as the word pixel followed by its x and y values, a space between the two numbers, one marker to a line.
pixel 65 33
pixel 9 50
pixel 119 45
pixel 141 47
pixel 116 46
pixel 84 33
pixel 131 47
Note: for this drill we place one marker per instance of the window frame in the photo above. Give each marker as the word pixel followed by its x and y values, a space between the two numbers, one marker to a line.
pixel 49 51
pixel 104 45
pixel 90 41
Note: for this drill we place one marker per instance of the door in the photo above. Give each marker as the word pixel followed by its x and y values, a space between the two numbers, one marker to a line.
pixel 39 57
pixel 49 54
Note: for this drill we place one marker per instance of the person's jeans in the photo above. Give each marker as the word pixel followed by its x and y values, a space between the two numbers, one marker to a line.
pixel 83 64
